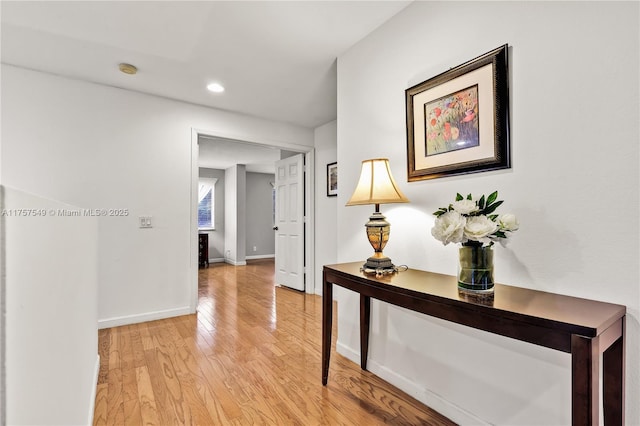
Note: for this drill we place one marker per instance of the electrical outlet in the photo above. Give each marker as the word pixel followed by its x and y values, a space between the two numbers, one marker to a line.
pixel 255 248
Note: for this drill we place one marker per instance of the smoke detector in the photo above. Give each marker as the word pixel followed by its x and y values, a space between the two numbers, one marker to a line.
pixel 128 68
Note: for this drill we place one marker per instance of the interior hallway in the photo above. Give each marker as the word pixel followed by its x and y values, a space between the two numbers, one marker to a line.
pixel 251 355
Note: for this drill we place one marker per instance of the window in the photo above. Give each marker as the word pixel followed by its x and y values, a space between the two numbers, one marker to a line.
pixel 206 203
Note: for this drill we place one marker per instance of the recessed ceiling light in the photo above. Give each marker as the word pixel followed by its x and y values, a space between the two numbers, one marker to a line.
pixel 127 68
pixel 215 88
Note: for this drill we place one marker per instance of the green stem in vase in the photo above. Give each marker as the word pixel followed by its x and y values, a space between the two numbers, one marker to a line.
pixel 476 267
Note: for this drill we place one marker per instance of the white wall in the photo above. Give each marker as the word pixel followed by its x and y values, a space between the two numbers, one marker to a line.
pixel 235 190
pixel 2 299
pixel 101 147
pixel 259 216
pixel 326 207
pixel 51 289
pixel 574 185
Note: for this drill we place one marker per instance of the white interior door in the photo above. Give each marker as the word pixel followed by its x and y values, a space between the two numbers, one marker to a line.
pixel 289 226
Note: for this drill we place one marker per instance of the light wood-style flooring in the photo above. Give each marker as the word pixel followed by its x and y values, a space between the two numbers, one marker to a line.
pixel 251 355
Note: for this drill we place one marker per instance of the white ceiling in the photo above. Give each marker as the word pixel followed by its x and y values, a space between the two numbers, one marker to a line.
pixel 277 60
pixel 219 153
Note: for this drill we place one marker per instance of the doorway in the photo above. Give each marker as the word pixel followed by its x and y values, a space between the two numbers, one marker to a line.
pixel 248 151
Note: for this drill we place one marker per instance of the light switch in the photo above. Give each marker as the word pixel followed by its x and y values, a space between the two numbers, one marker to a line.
pixel 145 222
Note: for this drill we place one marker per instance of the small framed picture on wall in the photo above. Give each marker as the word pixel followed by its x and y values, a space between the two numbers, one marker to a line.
pixel 332 179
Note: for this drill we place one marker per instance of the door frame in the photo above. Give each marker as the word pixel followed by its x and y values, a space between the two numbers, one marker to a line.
pixel 309 201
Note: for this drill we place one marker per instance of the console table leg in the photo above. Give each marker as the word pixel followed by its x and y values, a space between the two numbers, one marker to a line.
pixel 584 381
pixel 613 377
pixel 365 315
pixel 327 323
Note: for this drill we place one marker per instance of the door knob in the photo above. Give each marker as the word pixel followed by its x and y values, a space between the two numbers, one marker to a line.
pixel 275 228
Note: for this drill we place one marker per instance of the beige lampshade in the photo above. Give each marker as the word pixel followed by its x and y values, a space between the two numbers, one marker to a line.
pixel 376 185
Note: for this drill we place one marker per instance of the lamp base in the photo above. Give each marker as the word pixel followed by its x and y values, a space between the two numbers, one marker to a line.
pixel 376 262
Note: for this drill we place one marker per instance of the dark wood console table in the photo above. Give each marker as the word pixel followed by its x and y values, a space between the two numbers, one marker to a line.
pixel 586 329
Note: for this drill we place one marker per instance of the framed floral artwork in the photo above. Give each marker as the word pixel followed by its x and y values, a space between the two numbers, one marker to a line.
pixel 458 121
pixel 332 180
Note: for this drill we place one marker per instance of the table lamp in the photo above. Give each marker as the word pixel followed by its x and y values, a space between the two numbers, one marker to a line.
pixel 376 186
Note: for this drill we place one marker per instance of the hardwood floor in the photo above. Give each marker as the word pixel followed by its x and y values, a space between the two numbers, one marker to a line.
pixel 251 355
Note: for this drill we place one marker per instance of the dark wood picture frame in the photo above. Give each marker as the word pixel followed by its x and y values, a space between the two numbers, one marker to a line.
pixel 475 95
pixel 332 179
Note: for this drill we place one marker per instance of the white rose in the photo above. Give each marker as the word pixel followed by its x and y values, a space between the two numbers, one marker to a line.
pixel 478 228
pixel 449 228
pixel 465 206
pixel 508 222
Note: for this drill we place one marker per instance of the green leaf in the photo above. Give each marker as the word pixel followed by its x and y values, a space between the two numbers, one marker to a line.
pixel 493 216
pixel 459 197
pixel 481 203
pixel 492 207
pixel 492 197
pixel 440 212
pixel 469 197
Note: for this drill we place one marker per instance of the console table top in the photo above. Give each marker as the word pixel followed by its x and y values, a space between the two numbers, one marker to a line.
pixel 572 314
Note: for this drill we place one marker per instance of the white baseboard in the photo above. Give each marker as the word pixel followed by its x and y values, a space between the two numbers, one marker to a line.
pixel 348 353
pixel 261 256
pixel 426 396
pixel 94 389
pixel 148 316
pixel 231 262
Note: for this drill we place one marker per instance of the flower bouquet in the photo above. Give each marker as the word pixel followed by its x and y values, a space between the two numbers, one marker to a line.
pixel 475 225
